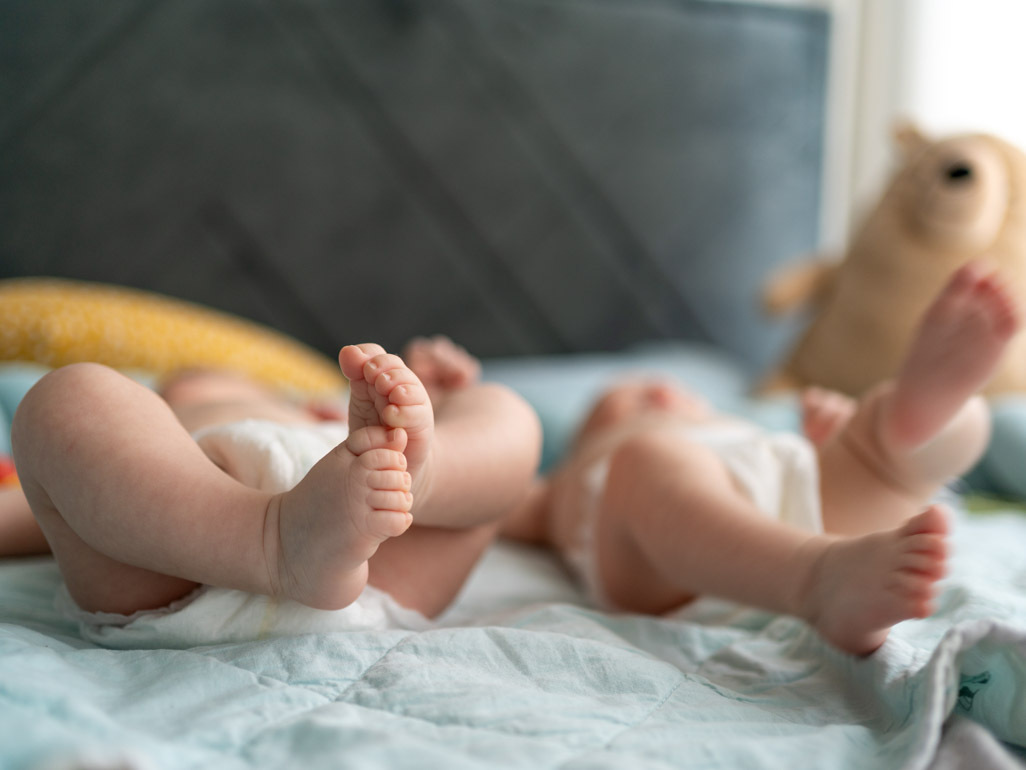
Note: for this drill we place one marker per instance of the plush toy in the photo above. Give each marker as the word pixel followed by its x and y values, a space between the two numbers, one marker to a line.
pixel 951 201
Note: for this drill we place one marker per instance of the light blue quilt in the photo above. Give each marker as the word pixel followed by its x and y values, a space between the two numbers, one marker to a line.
pixel 522 673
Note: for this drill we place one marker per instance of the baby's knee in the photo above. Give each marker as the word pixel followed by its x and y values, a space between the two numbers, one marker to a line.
pixel 60 387
pixel 957 447
pixel 62 398
pixel 655 476
pixel 521 424
pixel 667 463
pixel 655 448
pixel 52 406
pixel 78 380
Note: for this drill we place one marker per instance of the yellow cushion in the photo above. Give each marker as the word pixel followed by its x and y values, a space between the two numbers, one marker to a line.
pixel 57 322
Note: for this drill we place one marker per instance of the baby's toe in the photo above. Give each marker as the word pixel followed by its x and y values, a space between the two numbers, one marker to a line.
pixel 389 523
pixel 383 362
pixel 352 358
pixel 924 564
pixel 387 381
pixel 377 437
pixel 382 460
pixel 411 417
pixel 389 500
pixel 389 480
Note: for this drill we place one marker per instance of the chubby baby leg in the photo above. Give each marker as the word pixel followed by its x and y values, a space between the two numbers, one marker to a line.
pixel 128 502
pixel 137 515
pixel 672 525
pixel 960 341
pixel 426 568
pixel 914 434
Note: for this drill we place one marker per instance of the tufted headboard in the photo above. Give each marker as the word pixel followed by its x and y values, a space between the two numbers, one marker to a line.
pixel 526 176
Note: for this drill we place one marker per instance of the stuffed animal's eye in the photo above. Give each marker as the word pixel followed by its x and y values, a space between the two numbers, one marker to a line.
pixel 959 172
pixel 959 193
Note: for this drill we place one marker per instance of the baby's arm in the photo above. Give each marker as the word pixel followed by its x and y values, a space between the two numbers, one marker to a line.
pixel 824 414
pixel 20 535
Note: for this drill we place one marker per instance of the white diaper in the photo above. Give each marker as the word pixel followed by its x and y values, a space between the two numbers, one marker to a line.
pixel 220 616
pixel 272 457
pixel 268 455
pixel 778 472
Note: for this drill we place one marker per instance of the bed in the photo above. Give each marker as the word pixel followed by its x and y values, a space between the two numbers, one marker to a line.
pixel 522 672
pixel 571 188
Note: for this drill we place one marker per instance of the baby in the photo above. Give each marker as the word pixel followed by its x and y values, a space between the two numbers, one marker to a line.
pixel 144 499
pixel 661 501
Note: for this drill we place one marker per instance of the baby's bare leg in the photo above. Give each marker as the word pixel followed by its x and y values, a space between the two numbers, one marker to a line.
pixel 672 525
pixel 471 456
pixel 121 492
pixel 202 398
pixel 911 436
pixel 426 568
pixel 137 515
pixel 961 340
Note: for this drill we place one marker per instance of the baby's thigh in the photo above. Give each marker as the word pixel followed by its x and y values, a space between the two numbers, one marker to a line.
pixel 426 567
pixel 656 494
pixel 99 583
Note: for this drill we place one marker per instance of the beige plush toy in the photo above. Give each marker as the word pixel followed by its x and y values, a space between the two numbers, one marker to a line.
pixel 952 201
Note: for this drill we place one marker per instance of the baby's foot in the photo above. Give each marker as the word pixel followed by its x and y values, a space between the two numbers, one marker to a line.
pixel 384 391
pixel 824 414
pixel 328 526
pixel 862 586
pixel 959 344
pixel 441 364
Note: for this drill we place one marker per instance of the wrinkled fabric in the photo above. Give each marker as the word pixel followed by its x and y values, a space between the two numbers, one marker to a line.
pixel 521 673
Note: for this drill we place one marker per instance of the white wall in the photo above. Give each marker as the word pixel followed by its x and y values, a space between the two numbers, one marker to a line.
pixel 966 65
pixel 948 65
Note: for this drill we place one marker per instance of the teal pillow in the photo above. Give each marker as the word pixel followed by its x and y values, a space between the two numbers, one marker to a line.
pixel 562 388
pixel 1002 470
pixel 15 381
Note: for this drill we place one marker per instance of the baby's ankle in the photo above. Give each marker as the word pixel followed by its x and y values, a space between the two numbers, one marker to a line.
pixel 274 561
pixel 321 586
pixel 806 601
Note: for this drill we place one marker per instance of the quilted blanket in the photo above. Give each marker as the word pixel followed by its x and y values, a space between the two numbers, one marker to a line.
pixel 521 673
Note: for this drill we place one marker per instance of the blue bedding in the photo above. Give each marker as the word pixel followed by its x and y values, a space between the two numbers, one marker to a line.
pixel 521 672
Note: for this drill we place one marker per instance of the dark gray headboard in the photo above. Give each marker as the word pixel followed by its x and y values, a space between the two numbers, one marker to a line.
pixel 526 176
